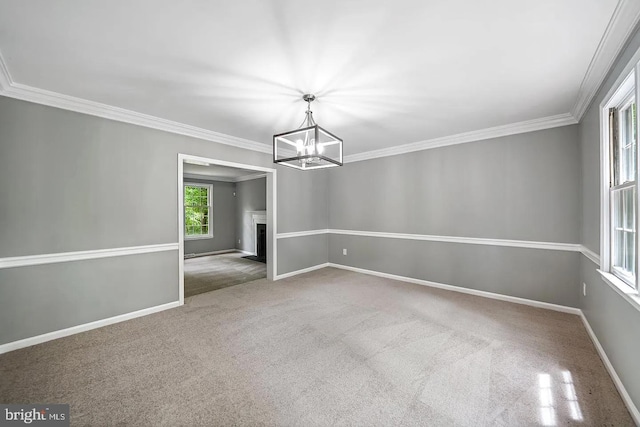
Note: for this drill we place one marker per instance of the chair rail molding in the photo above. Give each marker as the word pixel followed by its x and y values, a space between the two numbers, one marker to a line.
pixel 52 258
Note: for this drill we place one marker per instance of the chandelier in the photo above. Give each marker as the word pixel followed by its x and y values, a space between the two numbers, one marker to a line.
pixel 309 146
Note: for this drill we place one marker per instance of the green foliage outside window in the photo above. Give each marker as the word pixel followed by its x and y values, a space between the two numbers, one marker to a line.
pixel 196 210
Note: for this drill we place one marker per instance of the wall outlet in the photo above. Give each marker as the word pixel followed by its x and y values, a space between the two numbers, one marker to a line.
pixel 344 252
pixel 584 289
pixel 238 241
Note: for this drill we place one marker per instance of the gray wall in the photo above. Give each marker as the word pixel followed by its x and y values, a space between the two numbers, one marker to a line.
pixel 73 182
pixel 310 188
pixel 250 196
pixel 223 219
pixel 309 251
pixel 522 187
pixel 609 315
pixel 44 298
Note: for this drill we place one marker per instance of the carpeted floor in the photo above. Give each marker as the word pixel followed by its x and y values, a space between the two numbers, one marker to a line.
pixel 208 273
pixel 329 347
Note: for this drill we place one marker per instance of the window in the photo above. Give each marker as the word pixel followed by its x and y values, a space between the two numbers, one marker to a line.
pixel 197 211
pixel 620 197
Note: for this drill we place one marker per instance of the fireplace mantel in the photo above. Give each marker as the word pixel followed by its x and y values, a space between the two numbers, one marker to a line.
pixel 257 217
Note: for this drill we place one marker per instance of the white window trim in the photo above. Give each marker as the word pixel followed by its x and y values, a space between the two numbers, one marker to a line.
pixel 620 91
pixel 209 203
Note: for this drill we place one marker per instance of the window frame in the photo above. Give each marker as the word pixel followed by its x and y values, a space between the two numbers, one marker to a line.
pixel 619 97
pixel 209 188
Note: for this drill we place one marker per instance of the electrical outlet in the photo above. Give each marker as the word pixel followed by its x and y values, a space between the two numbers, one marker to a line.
pixel 344 252
pixel 584 289
pixel 238 241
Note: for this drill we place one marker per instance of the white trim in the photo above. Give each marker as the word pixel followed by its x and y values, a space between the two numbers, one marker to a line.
pixel 463 138
pixel 622 23
pixel 624 290
pixel 485 294
pixel 302 271
pixel 628 80
pixel 180 230
pixel 571 247
pixel 201 254
pixel 65 102
pixel 633 410
pixel 225 178
pixel 28 260
pixel 272 215
pixel 53 99
pixel 27 342
pixel 619 29
pixel 590 254
pixel 11 89
pixel 245 252
pixel 208 177
pixel 302 233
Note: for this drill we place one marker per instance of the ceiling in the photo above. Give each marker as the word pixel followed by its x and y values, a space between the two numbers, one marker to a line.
pixel 385 73
pixel 224 173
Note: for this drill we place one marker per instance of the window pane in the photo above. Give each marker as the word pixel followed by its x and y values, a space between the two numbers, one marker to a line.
pixel 627 144
pixel 196 210
pixel 623 232
pixel 629 215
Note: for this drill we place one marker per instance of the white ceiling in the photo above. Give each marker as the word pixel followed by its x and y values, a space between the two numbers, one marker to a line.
pixel 385 73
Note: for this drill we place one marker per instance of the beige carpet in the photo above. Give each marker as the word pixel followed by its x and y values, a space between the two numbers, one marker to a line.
pixel 327 348
pixel 208 273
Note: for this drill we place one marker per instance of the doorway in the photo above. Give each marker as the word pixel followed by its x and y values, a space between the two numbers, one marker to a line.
pixel 216 252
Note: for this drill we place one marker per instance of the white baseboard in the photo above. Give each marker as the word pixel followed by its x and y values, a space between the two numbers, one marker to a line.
pixel 27 342
pixel 246 252
pixel 485 294
pixel 633 410
pixel 224 251
pixel 304 270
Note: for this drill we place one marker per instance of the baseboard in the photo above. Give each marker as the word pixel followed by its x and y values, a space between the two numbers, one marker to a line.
pixel 246 252
pixel 485 294
pixel 224 251
pixel 633 410
pixel 50 336
pixel 304 270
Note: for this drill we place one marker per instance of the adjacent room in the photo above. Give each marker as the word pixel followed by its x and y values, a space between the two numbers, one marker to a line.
pixel 295 213
pixel 225 221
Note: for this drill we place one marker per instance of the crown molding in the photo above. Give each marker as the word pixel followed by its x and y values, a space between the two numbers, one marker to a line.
pixel 224 178
pixel 463 138
pixel 207 177
pixel 623 21
pixel 11 89
pixel 65 102
pixel 250 177
pixel 622 24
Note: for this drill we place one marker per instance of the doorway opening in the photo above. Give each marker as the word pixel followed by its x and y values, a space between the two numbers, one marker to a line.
pixel 226 224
